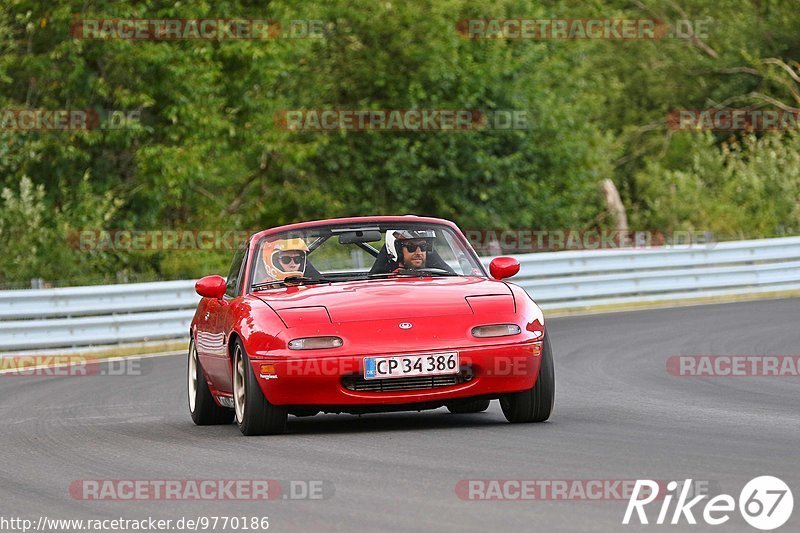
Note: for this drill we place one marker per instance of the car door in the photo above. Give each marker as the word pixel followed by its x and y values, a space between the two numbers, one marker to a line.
pixel 216 361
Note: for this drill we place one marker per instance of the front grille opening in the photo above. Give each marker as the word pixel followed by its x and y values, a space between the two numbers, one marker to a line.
pixel 356 382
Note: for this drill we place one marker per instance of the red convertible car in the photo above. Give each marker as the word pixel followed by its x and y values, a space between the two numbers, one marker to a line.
pixel 360 315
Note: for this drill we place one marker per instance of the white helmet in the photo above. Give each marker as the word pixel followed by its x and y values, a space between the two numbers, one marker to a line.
pixel 394 235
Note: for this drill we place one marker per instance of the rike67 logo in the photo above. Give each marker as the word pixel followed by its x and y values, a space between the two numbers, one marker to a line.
pixel 765 503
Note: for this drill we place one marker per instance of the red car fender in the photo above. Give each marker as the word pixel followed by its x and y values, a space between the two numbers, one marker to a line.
pixel 527 307
pixel 256 324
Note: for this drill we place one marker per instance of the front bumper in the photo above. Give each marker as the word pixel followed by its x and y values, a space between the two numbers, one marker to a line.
pixel 489 371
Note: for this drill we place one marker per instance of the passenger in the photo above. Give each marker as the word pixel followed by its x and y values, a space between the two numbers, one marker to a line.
pixel 285 258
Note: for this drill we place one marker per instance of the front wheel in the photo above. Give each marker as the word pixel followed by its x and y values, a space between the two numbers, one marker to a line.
pixel 536 403
pixel 254 414
pixel 202 407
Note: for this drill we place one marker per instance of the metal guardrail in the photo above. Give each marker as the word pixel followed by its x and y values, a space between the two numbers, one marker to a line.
pixel 109 314
pixel 580 279
pixel 97 300
pixel 95 315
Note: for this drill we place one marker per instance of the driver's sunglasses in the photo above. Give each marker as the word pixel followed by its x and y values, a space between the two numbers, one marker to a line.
pixel 425 247
pixel 286 259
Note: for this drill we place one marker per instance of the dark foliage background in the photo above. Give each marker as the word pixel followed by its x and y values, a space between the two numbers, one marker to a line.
pixel 207 153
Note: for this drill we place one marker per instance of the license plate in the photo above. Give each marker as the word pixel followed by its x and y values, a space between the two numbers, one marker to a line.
pixel 401 366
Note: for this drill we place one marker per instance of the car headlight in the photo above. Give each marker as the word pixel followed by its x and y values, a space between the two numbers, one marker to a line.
pixel 315 343
pixel 495 330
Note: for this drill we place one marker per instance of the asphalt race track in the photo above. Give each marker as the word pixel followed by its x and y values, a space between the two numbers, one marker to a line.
pixel 619 416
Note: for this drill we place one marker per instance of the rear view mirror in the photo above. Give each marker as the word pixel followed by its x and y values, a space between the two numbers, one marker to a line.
pixel 359 236
pixel 503 267
pixel 211 287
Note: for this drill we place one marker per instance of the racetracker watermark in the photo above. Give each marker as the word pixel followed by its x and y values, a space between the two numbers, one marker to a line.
pixel 192 523
pixel 500 241
pixel 411 120
pixel 497 366
pixel 200 489
pixel 734 365
pixel 733 119
pixel 581 29
pixel 88 240
pixel 67 366
pixel 67 119
pixel 765 502
pixel 208 29
pixel 560 489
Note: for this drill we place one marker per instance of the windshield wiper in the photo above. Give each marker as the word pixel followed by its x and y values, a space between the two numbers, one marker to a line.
pixel 413 272
pixel 379 275
pixel 426 272
pixel 296 280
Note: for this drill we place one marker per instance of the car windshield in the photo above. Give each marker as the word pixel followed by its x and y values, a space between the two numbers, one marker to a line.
pixel 359 252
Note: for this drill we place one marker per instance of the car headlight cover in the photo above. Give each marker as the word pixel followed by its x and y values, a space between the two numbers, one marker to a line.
pixel 495 330
pixel 315 343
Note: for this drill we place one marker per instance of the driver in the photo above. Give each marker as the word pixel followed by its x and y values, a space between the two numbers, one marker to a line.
pixel 285 258
pixel 409 248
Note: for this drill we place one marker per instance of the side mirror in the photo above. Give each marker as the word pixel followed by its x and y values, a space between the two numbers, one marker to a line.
pixel 211 287
pixel 503 267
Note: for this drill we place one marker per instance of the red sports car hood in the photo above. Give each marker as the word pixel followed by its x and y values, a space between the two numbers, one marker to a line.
pixel 386 299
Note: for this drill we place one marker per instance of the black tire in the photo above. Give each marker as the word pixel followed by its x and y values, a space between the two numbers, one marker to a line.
pixel 254 414
pixel 536 403
pixel 204 410
pixel 472 406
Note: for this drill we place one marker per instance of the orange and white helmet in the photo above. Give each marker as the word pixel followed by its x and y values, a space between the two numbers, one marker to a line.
pixel 275 269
